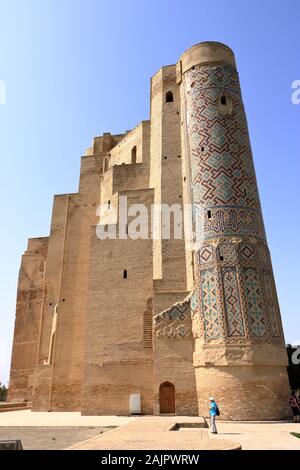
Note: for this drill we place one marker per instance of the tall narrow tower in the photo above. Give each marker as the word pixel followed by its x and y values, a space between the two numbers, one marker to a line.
pixel 239 353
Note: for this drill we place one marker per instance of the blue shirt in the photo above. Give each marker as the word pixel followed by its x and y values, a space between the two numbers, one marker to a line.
pixel 213 408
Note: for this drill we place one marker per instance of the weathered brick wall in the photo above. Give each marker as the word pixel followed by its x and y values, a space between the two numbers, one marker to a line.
pixel 65 293
pixel 166 174
pixel 244 392
pixel 121 153
pixel 117 362
pixel 173 348
pixel 28 317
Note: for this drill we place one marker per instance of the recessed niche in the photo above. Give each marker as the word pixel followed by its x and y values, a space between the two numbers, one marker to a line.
pixel 224 104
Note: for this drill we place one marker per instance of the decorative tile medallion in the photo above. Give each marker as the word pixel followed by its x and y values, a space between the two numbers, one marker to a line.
pixel 255 305
pixel 234 318
pixel 209 304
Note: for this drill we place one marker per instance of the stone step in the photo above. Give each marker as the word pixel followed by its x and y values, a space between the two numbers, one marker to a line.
pixel 5 407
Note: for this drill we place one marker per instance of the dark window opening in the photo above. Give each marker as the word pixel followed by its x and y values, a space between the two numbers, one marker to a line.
pixel 169 97
pixel 133 154
pixel 184 179
pixel 202 149
pixel 125 274
pixel 223 100
pixel 179 156
pixel 108 204
pixel 126 229
pixel 221 258
pixel 209 214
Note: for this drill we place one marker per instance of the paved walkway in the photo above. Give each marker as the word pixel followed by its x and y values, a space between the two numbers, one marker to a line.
pixel 261 436
pixel 144 434
pixel 155 433
pixel 272 435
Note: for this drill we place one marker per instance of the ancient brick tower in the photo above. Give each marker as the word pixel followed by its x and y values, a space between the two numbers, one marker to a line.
pixel 239 345
pixel 158 324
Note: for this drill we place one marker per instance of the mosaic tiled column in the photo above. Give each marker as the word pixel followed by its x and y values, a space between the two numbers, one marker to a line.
pixel 239 344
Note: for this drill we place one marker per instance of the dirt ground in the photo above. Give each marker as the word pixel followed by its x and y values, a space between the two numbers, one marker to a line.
pixel 50 437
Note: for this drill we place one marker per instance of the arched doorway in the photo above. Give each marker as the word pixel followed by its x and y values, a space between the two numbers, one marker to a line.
pixel 167 398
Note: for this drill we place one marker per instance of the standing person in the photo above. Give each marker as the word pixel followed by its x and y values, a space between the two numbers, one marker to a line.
pixel 295 405
pixel 213 412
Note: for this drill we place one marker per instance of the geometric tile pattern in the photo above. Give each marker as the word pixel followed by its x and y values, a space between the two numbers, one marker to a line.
pixel 194 302
pixel 174 322
pixel 256 315
pixel 228 252
pixel 270 304
pixel 235 324
pixel 209 304
pixel 206 254
pixel 263 255
pixel 196 314
pixel 223 188
pixel 222 170
pixel 247 252
pixel 178 311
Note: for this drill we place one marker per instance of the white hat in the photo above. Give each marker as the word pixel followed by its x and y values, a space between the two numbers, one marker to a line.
pixel 211 399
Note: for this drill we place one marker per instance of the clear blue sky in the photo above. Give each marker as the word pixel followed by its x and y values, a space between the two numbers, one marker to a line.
pixel 77 68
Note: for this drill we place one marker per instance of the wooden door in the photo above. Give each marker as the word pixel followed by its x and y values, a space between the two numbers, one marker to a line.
pixel 167 398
